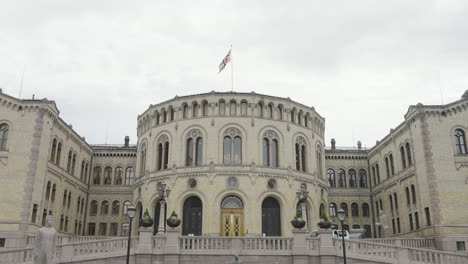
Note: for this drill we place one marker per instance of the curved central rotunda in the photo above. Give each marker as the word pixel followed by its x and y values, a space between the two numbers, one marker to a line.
pixel 235 163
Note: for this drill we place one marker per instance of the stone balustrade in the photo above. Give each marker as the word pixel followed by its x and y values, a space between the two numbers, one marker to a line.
pixel 174 248
pixel 428 243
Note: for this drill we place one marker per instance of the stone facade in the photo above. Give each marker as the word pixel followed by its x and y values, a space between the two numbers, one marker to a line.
pixel 240 155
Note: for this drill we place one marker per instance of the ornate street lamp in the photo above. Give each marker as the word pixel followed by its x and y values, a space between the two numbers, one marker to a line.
pixel 131 211
pixel 163 192
pixel 342 215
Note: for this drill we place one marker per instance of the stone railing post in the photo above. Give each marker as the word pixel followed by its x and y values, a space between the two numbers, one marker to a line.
pixel 299 252
pixel 66 253
pixel 402 253
pixel 145 241
pixel 172 251
pixel 327 251
pixel 236 246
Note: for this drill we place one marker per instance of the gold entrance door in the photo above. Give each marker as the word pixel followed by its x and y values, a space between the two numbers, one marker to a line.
pixel 232 221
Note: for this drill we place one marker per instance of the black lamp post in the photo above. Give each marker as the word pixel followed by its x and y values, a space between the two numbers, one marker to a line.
pixel 131 211
pixel 342 216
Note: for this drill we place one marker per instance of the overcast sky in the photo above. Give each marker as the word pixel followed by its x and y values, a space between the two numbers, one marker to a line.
pixel 359 63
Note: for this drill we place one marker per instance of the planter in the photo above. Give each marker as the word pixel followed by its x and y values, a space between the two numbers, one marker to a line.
pixel 173 222
pixel 298 223
pixel 324 225
pixel 146 222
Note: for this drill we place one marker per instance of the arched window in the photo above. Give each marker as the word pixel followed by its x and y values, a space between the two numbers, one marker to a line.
pixel 118 176
pixel 365 210
pixel 390 199
pixel 387 167
pixel 64 199
pixel 408 199
pixel 52 197
pixel 354 209
pixel 321 209
pixel 232 108
pixel 341 178
pixel 270 149
pixel 332 207
pixel 48 191
pixel 222 108
pixel 108 175
pixel 300 116
pixel 85 178
pixel 460 141
pixel 344 206
pixel 69 161
pixel 293 115
pixel 105 208
pixel 331 177
pixel 54 149
pixel 377 171
pixel 306 120
pixel 271 217
pixel 194 155
pixel 72 171
pixel 129 176
pixel 59 153
pixel 270 110
pixel 162 152
pixel 93 208
pixel 192 217
pixel 82 170
pixel 143 160
pixel 69 200
pixel 232 202
pixel 413 193
pixel 163 115
pixel 243 108
pixel 260 109
pixel 280 112
pixel 301 153
pixel 171 113
pixel 319 161
pixel 156 117
pixel 205 108
pixel 184 110
pixel 4 128
pixel 125 207
pixel 362 178
pixel 352 178
pixel 373 176
pixel 392 167
pixel 115 208
pixel 195 108
pixel 408 154
pixel 403 157
pixel 232 146
pixel 395 201
pixel 97 176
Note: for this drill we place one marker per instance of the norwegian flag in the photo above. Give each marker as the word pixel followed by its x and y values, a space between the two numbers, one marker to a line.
pixel 225 61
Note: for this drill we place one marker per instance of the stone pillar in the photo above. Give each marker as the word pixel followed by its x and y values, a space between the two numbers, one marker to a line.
pixel 161 217
pixel 299 248
pixel 172 252
pixel 304 213
pixel 145 243
pixel 327 251
pixel 402 253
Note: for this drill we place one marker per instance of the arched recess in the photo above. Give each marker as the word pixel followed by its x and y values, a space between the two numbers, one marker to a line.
pixel 232 216
pixel 138 216
pixel 192 216
pixel 271 217
pixel 157 213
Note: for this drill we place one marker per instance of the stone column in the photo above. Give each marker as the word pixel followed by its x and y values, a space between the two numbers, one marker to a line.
pixel 327 251
pixel 304 213
pixel 161 217
pixel 299 248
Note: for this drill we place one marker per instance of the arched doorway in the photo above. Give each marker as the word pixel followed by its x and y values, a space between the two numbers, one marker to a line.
pixel 232 216
pixel 192 216
pixel 157 211
pixel 271 217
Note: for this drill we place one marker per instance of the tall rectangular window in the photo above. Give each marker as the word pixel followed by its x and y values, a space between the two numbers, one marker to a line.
pixel 91 229
pixel 411 222
pixel 393 226
pixel 428 216
pixel 398 225
pixel 416 219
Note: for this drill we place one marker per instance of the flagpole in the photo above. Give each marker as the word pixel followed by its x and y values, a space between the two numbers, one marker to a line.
pixel 232 72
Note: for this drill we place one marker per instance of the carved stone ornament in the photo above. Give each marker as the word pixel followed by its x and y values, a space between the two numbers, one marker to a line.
pixel 163 138
pixel 232 132
pixel 300 140
pixel 194 133
pixel 270 134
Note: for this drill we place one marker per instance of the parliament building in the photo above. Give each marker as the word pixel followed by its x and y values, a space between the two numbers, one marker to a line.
pixel 234 164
